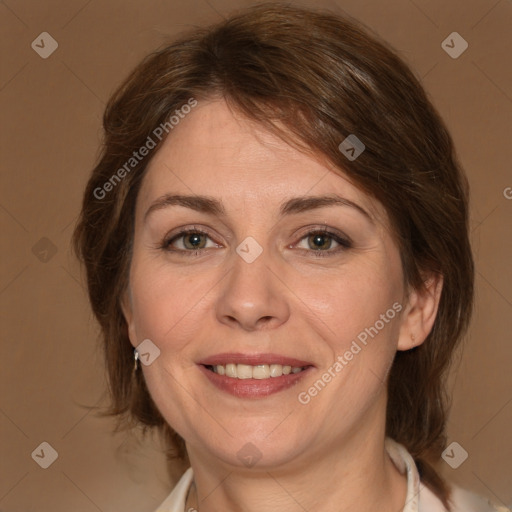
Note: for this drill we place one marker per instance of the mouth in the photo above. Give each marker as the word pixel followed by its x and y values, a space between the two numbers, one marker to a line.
pixel 253 376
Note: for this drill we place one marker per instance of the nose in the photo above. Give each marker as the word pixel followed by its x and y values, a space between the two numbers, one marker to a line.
pixel 252 296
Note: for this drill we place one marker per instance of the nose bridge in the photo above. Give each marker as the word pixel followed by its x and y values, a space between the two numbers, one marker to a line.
pixel 251 271
pixel 252 294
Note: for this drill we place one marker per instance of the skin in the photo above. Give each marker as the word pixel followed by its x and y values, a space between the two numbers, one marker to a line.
pixel 327 455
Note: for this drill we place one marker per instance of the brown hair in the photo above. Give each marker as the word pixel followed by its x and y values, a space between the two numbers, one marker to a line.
pixel 313 78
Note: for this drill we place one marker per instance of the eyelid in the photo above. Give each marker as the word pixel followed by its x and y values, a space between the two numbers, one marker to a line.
pixel 325 230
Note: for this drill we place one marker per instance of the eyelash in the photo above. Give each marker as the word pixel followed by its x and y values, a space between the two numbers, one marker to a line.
pixel 344 243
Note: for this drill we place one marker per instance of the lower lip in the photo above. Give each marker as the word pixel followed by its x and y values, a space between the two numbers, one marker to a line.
pixel 253 388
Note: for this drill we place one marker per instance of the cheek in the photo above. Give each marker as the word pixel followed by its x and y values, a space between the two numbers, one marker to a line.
pixel 360 324
pixel 173 309
pixel 352 301
pixel 167 310
pixel 357 313
pixel 162 303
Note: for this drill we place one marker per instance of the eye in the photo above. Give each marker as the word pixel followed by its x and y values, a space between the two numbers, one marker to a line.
pixel 323 241
pixel 189 241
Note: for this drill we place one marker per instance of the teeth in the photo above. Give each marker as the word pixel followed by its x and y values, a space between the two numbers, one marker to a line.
pixel 262 371
pixel 230 370
pixel 243 371
pixel 276 370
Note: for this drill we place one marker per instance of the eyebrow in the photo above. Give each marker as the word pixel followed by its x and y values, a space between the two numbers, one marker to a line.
pixel 212 206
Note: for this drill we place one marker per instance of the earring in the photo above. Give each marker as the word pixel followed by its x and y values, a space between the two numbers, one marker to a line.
pixel 136 358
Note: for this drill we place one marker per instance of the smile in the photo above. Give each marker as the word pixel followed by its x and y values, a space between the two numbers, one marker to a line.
pixel 253 375
pixel 260 372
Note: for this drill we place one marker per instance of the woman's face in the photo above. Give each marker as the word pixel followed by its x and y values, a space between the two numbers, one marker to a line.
pixel 284 264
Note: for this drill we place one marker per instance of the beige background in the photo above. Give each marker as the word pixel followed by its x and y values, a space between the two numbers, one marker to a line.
pixel 51 109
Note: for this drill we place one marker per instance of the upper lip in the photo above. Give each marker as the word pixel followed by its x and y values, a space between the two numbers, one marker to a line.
pixel 253 360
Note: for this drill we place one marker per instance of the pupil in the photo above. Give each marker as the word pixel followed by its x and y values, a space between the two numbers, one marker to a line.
pixel 321 241
pixel 194 240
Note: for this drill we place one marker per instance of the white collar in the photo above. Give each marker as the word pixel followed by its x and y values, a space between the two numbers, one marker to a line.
pixel 405 464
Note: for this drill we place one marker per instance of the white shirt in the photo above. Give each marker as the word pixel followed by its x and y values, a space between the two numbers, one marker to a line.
pixel 419 497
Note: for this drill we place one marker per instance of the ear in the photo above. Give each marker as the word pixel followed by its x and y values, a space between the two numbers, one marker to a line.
pixel 127 309
pixel 420 313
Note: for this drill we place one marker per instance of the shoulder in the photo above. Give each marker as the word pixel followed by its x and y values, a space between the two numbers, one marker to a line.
pixel 465 501
pixel 460 500
pixel 421 499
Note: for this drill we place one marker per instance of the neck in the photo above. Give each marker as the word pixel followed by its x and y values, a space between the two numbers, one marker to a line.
pixel 351 474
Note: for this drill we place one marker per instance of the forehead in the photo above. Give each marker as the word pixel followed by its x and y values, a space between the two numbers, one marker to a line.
pixel 217 151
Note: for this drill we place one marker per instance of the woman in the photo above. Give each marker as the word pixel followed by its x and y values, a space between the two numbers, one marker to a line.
pixel 277 230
